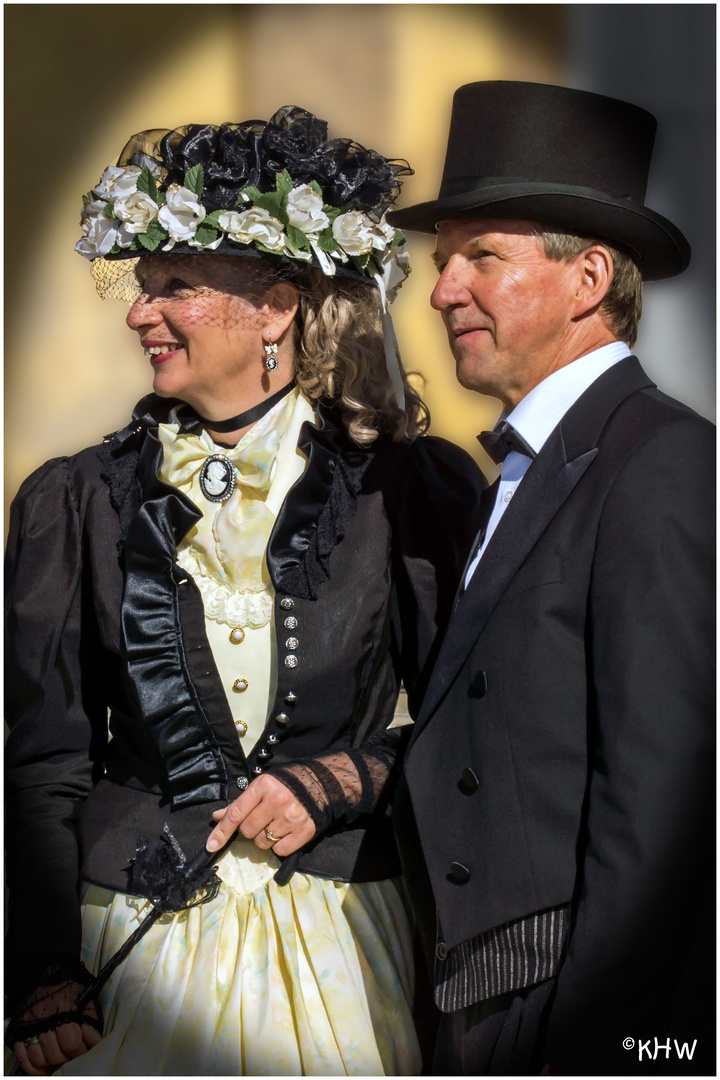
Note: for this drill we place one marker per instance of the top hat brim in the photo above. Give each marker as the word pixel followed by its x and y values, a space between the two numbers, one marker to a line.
pixel 658 246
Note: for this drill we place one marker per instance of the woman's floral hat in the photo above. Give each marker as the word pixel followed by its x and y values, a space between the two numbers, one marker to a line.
pixel 279 188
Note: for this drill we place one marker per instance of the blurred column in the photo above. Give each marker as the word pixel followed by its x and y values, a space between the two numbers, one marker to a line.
pixel 662 57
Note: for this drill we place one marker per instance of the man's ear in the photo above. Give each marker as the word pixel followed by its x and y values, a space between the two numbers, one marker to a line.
pixel 594 272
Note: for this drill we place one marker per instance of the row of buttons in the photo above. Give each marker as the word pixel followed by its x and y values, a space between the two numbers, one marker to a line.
pixel 237 636
pixel 459 874
pixel 264 754
pixel 291 661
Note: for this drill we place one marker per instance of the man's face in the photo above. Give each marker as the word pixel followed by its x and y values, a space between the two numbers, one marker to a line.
pixel 505 305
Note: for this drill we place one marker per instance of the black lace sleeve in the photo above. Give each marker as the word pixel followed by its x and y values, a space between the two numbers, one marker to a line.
pixel 44 997
pixel 344 780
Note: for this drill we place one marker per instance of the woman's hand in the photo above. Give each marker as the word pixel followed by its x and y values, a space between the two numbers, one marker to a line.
pixel 67 1041
pixel 266 806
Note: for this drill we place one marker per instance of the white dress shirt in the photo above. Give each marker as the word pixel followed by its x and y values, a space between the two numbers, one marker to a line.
pixel 537 415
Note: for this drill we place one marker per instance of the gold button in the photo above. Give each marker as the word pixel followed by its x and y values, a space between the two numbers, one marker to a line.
pixel 241 726
pixel 240 685
pixel 237 635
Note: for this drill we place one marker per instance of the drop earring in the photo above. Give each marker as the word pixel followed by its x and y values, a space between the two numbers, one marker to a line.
pixel 271 355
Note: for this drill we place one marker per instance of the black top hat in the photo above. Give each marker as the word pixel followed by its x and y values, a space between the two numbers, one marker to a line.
pixel 556 156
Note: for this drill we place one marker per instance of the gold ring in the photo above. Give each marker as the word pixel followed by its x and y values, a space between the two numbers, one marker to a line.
pixel 273 839
pixel 31 1041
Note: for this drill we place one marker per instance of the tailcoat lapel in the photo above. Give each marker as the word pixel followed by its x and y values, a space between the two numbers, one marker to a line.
pixel 563 460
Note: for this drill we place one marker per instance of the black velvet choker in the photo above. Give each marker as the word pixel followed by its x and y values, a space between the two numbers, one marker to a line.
pixel 251 416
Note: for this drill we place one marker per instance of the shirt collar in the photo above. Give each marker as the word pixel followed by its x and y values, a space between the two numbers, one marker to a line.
pixel 540 411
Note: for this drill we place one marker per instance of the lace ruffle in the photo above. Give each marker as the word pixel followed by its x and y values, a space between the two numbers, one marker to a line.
pixel 252 609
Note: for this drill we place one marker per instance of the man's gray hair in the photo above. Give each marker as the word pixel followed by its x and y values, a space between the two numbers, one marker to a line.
pixel 622 305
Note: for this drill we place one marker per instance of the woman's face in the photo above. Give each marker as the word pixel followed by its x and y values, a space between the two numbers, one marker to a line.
pixel 201 325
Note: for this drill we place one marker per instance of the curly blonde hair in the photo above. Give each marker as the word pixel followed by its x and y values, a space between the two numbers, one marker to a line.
pixel 340 355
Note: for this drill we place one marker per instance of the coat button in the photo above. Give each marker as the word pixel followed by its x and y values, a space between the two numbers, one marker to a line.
pixel 287 603
pixel 272 739
pixel 290 623
pixel 292 643
pixel 237 635
pixel 459 874
pixel 291 661
pixel 242 782
pixel 258 770
pixel 468 782
pixel 282 718
pixel 479 685
pixel 264 754
pixel 441 951
pixel 290 698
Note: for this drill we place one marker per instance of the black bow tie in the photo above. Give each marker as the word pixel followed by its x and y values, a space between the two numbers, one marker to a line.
pixel 499 442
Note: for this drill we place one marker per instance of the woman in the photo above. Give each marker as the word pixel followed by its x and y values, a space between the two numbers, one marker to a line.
pixel 233 585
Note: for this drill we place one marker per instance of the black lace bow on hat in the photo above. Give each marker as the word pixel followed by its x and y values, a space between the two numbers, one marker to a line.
pixel 234 156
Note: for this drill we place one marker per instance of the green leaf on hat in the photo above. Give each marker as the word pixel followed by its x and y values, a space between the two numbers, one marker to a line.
pixel 261 247
pixel 270 201
pixel 298 238
pixel 283 184
pixel 332 211
pixel 146 183
pixel 213 220
pixel 195 180
pixel 361 261
pixel 206 236
pixel 398 239
pixel 149 242
pixel 85 200
pixel 326 241
pixel 109 210
pixel 160 198
pixel 247 195
pixel 314 186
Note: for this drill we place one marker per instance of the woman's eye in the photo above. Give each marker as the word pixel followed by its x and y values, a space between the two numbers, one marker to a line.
pixel 178 285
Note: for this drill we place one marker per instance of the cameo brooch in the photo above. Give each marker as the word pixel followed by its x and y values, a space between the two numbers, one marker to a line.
pixel 217 478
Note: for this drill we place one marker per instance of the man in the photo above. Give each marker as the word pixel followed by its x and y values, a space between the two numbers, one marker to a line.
pixel 555 812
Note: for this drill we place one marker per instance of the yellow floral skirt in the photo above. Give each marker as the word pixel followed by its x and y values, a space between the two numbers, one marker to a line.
pixel 312 978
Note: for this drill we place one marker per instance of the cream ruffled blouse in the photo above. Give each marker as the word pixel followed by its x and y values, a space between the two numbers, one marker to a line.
pixel 225 550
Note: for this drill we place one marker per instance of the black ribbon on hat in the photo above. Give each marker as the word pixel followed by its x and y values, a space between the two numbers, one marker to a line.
pixel 502 440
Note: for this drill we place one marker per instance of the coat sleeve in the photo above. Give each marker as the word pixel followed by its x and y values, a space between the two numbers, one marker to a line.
pixel 57 725
pixel 649 808
pixel 432 502
pixel 435 513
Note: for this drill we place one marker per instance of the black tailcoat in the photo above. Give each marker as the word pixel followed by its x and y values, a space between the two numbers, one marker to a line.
pixel 575 680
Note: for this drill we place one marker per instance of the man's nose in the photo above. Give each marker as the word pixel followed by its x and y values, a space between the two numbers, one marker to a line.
pixel 450 289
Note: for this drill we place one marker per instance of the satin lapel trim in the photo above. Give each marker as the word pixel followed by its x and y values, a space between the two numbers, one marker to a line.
pixel 544 489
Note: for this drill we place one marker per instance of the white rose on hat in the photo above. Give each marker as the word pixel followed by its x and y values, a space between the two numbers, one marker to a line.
pixel 255 224
pixel 116 182
pixel 395 268
pixel 382 234
pixel 100 231
pixel 305 210
pixel 181 214
pixel 353 231
pixel 136 211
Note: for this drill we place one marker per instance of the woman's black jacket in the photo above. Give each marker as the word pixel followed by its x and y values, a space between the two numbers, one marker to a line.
pixel 119 722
